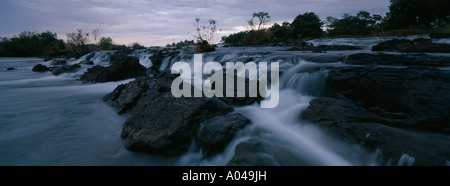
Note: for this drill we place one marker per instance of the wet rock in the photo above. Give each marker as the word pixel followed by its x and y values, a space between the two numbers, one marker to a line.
pixel 125 97
pixel 204 46
pixel 65 69
pixel 397 60
pixel 217 132
pixel 158 57
pixel 129 67
pixel 163 124
pixel 40 68
pixel 90 56
pixel 417 45
pixel 323 48
pixel 87 62
pixel 340 118
pixel 413 97
pixel 336 111
pixel 241 101
pixel 10 68
pixel 253 153
pixel 59 62
pixel 259 152
pixel 439 35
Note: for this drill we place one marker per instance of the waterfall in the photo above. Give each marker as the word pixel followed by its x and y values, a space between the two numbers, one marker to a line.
pixel 282 128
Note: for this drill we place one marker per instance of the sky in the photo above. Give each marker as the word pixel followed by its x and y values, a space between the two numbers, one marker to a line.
pixel 159 22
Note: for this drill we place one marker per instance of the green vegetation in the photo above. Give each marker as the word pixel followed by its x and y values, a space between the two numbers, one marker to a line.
pixel 106 43
pixel 137 46
pixel 307 25
pixel 46 44
pixel 406 17
pixel 205 35
pixel 182 44
pixel 362 24
pixel 28 44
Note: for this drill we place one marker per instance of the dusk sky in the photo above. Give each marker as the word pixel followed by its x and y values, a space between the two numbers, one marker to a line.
pixel 158 22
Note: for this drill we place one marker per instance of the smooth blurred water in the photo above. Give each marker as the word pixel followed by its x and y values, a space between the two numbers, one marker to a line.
pixel 48 120
pixel 58 120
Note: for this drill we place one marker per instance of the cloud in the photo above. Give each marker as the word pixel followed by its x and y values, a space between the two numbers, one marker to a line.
pixel 158 22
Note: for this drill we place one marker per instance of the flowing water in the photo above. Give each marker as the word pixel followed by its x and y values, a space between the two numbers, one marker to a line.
pixel 57 120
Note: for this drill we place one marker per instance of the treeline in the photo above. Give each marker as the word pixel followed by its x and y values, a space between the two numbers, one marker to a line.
pixel 47 44
pixel 31 44
pixel 404 17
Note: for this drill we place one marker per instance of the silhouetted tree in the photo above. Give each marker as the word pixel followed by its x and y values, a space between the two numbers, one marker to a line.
pixel 307 25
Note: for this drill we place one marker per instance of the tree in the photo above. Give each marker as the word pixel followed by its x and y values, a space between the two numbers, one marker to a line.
pixel 281 32
pixel 360 25
pixel 137 46
pixel 307 25
pixel 79 38
pixel 28 44
pixel 263 18
pixel 407 13
pixel 106 43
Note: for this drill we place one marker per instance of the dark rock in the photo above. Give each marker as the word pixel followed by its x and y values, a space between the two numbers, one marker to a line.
pixel 65 69
pixel 414 98
pixel 119 56
pixel 90 56
pixel 253 153
pixel 129 67
pixel 163 124
pixel 59 62
pixel 158 57
pixel 394 45
pixel 336 111
pixel 40 68
pixel 217 132
pixel 353 124
pixel 10 68
pixel 204 46
pixel 87 62
pixel 259 152
pixel 125 97
pixel 417 45
pixel 240 101
pixel 397 60
pixel 439 35
pixel 324 48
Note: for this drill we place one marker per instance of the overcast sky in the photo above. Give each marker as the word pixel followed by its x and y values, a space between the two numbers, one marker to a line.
pixel 158 22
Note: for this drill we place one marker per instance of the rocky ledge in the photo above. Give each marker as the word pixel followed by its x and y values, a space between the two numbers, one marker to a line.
pixel 417 45
pixel 395 110
pixel 159 123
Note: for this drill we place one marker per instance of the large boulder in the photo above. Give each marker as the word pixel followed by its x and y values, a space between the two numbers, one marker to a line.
pixel 65 69
pixel 345 120
pixel 397 60
pixel 397 111
pixel 217 132
pixel 414 97
pixel 417 45
pixel 163 124
pixel 125 97
pixel 40 68
pixel 129 67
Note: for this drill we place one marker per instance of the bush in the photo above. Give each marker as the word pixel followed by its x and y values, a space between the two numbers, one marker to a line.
pixel 105 43
pixel 137 46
